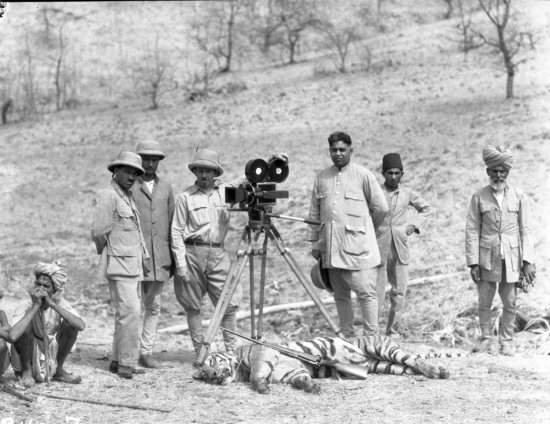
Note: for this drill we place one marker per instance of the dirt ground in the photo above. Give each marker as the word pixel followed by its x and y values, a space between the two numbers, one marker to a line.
pixel 421 98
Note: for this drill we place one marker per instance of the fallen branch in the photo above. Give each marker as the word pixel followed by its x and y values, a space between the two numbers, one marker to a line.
pixel 100 402
pixel 11 391
pixel 180 328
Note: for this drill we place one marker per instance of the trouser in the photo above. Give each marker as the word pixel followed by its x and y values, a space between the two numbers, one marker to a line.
pixel 363 283
pixel 125 295
pixel 208 268
pixel 4 356
pixel 486 292
pixel 397 274
pixel 150 294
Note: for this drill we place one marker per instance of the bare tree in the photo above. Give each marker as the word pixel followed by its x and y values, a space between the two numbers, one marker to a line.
pixel 153 73
pixel 339 40
pixel 468 38
pixel 509 40
pixel 213 29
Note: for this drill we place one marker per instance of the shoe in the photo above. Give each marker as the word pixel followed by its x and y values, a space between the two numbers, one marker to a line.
pixel 113 367
pixel 507 350
pixel 125 372
pixel 66 377
pixel 148 361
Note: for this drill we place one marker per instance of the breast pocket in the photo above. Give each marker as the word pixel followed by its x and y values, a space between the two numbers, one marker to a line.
pixel 198 211
pixel 126 218
pixel 354 203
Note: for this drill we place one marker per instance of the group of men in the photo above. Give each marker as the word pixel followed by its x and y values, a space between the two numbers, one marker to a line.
pixel 145 234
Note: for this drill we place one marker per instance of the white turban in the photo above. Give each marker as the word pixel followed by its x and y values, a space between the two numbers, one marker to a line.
pixel 57 271
pixel 494 156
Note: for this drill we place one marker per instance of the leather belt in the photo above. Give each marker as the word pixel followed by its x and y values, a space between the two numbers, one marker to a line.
pixel 204 243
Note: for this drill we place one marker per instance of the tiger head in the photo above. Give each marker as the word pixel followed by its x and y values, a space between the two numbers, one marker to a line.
pixel 218 369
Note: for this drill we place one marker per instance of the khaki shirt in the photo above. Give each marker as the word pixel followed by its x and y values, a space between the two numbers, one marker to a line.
pixel 494 234
pixel 117 235
pixel 199 216
pixel 349 203
pixel 394 226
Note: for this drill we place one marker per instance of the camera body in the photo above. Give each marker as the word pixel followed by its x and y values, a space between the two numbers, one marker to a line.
pixel 260 192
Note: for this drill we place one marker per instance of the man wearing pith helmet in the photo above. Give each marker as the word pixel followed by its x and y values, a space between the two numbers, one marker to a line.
pixel 155 203
pixel 199 227
pixel 116 232
pixel 499 246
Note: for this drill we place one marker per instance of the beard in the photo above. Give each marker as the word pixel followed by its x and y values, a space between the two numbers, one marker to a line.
pixel 497 185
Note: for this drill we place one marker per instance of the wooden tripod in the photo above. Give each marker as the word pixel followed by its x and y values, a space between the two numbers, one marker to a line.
pixel 248 248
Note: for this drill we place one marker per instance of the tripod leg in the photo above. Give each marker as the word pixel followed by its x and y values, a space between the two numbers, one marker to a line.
pixel 252 297
pixel 262 290
pixel 229 288
pixel 308 285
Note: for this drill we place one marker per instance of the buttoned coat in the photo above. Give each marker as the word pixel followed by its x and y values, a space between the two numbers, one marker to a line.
pixel 394 225
pixel 117 236
pixel 156 211
pixel 494 234
pixel 349 202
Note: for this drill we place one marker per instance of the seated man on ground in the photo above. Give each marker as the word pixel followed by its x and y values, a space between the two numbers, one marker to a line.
pixel 62 324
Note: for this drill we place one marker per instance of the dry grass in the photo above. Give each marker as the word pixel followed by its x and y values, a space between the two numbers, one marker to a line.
pixel 437 110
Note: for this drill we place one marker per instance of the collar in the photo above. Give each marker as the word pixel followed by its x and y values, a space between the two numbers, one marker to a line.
pixel 344 169
pixel 142 181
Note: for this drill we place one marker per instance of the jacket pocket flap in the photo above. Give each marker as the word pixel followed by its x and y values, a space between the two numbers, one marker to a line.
pixel 486 207
pixel 123 250
pixel 124 212
pixel 353 196
pixel 355 229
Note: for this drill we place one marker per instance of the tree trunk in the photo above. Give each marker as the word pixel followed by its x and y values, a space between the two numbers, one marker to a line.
pixel 5 109
pixel 510 85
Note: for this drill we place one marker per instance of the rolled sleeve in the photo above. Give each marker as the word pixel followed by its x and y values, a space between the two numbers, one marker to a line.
pixel 178 231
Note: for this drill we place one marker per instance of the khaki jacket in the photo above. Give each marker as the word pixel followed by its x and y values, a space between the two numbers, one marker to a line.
pixel 394 226
pixel 117 236
pixel 349 203
pixel 155 214
pixel 494 234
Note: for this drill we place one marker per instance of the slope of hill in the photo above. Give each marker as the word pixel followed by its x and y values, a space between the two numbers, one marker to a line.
pixel 420 98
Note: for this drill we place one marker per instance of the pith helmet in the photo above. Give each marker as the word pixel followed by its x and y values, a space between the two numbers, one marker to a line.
pixel 319 277
pixel 129 159
pixel 206 158
pixel 150 148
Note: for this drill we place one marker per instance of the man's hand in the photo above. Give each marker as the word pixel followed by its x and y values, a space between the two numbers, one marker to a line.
pixel 316 253
pixel 37 294
pixel 410 229
pixel 529 271
pixel 147 265
pixel 183 273
pixel 475 273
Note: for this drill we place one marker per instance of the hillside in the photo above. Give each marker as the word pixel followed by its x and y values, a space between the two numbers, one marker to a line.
pixel 419 98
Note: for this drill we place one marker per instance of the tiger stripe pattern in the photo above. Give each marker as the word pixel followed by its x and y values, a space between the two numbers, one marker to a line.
pixel 262 366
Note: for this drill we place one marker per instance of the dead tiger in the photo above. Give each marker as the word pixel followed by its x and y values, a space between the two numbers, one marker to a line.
pixel 262 366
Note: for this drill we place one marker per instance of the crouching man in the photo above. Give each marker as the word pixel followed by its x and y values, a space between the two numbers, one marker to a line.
pixel 51 311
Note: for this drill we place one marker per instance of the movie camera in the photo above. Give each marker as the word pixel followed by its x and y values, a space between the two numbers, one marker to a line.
pixel 260 190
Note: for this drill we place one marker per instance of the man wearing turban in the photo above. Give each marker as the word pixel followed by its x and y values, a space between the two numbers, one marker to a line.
pixel 499 246
pixel 47 309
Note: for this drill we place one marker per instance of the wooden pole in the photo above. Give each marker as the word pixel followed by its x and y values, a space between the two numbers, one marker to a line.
pixel 308 303
pixel 99 402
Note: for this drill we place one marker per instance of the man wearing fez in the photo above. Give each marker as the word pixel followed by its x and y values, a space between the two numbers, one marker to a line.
pixel 349 202
pixel 124 258
pixel 62 324
pixel 393 236
pixel 499 246
pixel 155 203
